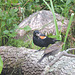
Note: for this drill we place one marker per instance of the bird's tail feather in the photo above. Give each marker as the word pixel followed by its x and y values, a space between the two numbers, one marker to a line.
pixel 55 40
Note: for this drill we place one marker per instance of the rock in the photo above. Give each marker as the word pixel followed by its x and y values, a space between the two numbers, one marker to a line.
pixel 43 21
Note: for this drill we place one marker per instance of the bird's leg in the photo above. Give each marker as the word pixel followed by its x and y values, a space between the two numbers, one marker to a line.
pixel 42 58
pixel 45 48
pixel 42 49
pixel 39 49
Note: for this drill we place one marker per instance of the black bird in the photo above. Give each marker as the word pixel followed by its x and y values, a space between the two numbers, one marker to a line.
pixel 41 40
pixel 52 50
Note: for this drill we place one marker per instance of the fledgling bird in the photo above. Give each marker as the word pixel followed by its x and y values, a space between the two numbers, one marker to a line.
pixel 41 40
pixel 52 50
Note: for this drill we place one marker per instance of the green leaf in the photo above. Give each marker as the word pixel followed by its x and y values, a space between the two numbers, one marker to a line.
pixel 73 1
pixel 37 0
pixel 2 24
pixel 15 10
pixel 55 36
pixel 0 12
pixel 6 32
pixel 4 17
pixel 9 21
pixel 14 1
pixel 62 1
pixel 12 34
pixel 1 64
pixel 31 0
pixel 27 28
pixel 68 2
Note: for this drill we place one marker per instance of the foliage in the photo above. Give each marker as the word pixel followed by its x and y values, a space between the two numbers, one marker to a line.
pixel 29 6
pixel 63 7
pixel 8 23
pixel 1 64
pixel 13 12
pixel 9 19
pixel 68 28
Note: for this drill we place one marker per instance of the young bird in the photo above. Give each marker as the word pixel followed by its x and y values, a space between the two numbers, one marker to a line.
pixel 41 40
pixel 52 50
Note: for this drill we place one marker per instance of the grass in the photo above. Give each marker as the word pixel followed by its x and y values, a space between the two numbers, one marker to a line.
pixel 1 64
pixel 56 26
pixel 68 28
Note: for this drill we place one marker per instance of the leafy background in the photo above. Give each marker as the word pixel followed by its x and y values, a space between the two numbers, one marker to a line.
pixel 12 12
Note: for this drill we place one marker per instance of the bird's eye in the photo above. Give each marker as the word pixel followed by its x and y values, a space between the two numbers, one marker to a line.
pixel 37 34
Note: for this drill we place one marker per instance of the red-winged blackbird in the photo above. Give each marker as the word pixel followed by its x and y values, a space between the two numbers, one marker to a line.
pixel 41 40
pixel 52 50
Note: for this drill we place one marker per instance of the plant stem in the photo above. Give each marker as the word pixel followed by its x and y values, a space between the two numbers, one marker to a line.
pixel 72 15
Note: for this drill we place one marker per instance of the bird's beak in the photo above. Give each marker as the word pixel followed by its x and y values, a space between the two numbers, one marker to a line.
pixel 38 34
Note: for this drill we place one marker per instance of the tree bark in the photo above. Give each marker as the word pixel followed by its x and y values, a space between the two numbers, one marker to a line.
pixel 23 61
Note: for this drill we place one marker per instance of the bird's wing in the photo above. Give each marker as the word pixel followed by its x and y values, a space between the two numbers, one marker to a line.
pixel 42 37
pixel 53 47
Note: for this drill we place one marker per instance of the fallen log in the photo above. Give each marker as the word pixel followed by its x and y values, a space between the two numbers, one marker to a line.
pixel 23 61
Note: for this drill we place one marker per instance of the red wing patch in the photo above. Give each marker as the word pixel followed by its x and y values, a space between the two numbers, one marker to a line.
pixel 42 37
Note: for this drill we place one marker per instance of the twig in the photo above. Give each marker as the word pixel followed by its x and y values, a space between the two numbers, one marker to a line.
pixel 26 2
pixel 70 49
